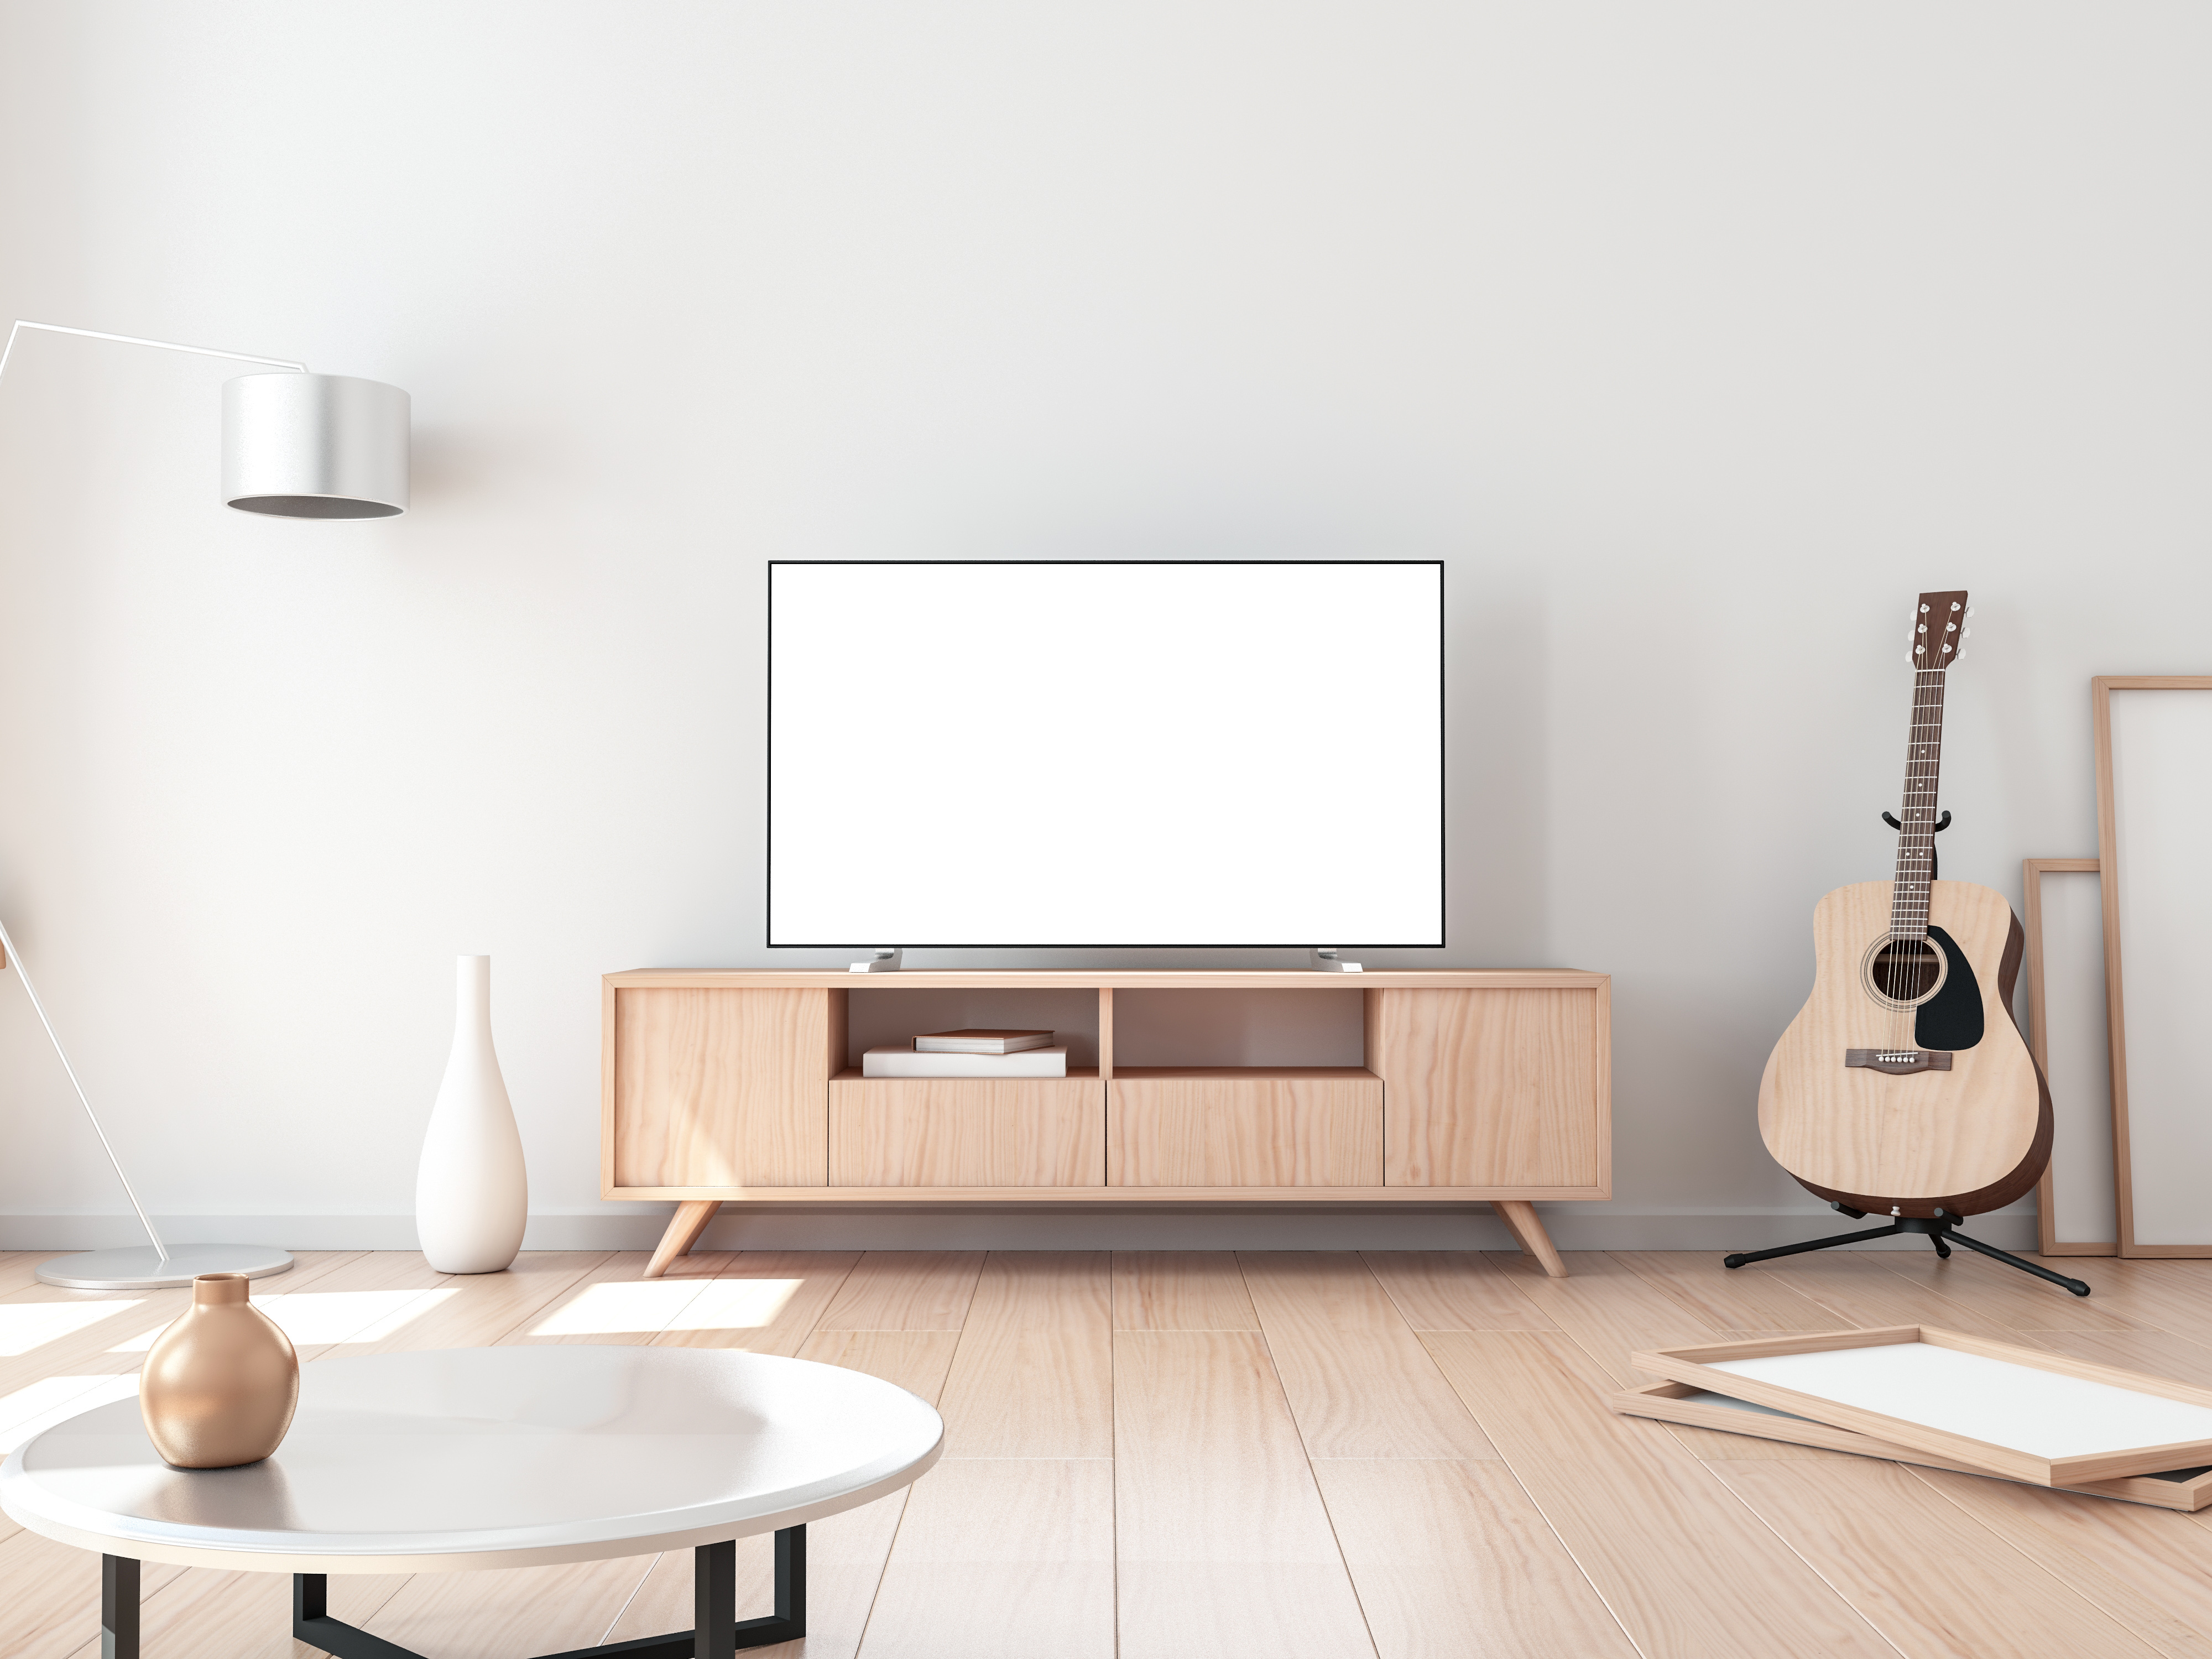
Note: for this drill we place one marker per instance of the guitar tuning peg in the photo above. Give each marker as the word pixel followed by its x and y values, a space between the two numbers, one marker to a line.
pixel 1968 635
pixel 1969 613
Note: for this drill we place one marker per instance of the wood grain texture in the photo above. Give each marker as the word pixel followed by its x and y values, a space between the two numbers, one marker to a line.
pixel 1522 1220
pixel 964 1132
pixel 2001 1293
pixel 1219 1127
pixel 1923 1138
pixel 50 1597
pixel 2032 872
pixel 714 1088
pixel 1492 1087
pixel 204 1614
pixel 537 1610
pixel 1180 1290
pixel 1015 1556
pixel 1684 1566
pixel 761 1301
pixel 1452 1560
pixel 2124 1131
pixel 1224 1547
pixel 906 1291
pixel 1034 1374
pixel 1695 1365
pixel 1726 1301
pixel 1360 1383
pixel 690 1220
pixel 1607 1309
pixel 2134 1563
pixel 1145 978
pixel 1453 1291
pixel 1922 1571
pixel 1723 1433
pixel 916 1361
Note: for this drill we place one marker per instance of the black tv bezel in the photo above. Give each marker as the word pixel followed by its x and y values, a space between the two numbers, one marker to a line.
pixel 768 871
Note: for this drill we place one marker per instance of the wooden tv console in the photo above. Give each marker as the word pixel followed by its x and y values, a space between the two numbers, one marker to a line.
pixel 742 1086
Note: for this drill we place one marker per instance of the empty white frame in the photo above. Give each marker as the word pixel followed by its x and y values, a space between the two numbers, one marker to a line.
pixel 2074 1208
pixel 1106 753
pixel 2153 811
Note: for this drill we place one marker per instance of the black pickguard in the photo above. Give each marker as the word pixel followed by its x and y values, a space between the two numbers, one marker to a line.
pixel 1952 1018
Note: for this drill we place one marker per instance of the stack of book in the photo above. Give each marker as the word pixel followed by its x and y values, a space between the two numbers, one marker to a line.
pixel 970 1053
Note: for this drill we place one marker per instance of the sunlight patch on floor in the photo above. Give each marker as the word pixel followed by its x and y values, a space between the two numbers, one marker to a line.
pixel 736 1304
pixel 34 1409
pixel 623 1310
pixel 27 1325
pixel 314 1318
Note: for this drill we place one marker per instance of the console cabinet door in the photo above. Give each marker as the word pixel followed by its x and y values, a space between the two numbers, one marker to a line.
pixel 1483 1087
pixel 722 1088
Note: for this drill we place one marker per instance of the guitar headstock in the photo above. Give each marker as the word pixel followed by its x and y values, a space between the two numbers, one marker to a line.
pixel 1939 629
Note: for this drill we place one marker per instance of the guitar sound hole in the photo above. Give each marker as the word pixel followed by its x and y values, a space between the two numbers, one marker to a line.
pixel 1905 972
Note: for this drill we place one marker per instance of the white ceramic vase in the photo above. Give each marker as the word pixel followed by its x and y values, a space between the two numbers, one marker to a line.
pixel 471 1193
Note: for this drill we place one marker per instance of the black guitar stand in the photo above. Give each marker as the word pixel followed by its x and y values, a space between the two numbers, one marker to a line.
pixel 1942 1232
pixel 1942 1228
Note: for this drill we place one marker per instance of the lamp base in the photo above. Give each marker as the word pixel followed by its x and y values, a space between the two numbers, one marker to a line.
pixel 142 1268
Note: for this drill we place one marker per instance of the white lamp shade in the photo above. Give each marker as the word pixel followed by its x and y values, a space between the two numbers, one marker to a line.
pixel 314 447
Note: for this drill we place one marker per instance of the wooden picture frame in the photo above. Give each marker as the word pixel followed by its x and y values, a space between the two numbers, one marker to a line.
pixel 2080 1096
pixel 2187 1489
pixel 1699 1367
pixel 2134 1127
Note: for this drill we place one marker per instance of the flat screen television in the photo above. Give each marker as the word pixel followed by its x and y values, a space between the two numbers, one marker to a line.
pixel 1112 752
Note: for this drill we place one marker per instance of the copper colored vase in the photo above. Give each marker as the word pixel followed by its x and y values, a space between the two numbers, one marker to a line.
pixel 220 1385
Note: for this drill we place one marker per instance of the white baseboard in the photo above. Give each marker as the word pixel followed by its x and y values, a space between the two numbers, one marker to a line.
pixel 1572 1227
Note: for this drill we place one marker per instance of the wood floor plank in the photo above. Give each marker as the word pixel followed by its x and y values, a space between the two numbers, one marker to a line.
pixel 2145 1567
pixel 1453 1559
pixel 905 1291
pixel 1685 1568
pixel 1358 1380
pixel 204 1614
pixel 2168 1295
pixel 1001 1559
pixel 845 1556
pixel 20 1268
pixel 2160 1353
pixel 1722 1298
pixel 1937 1583
pixel 1453 1291
pixel 612 1304
pixel 486 1307
pixel 1180 1290
pixel 1860 1291
pixel 2006 1294
pixel 50 1596
pixel 1033 1375
pixel 519 1610
pixel 763 1301
pixel 915 1360
pixel 1223 1546
pixel 1607 1308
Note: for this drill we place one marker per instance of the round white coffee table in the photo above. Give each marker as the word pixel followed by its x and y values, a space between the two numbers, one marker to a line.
pixel 493 1457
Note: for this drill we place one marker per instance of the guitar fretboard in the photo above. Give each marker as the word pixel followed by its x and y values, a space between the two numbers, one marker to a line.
pixel 1915 843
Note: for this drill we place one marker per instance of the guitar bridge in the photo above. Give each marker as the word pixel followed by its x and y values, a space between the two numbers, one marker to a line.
pixel 1898 1062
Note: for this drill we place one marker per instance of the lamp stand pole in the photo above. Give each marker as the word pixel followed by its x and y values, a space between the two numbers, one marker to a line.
pixel 152 1267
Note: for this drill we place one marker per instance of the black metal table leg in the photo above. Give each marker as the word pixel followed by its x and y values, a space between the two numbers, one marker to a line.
pixel 716 1632
pixel 118 1607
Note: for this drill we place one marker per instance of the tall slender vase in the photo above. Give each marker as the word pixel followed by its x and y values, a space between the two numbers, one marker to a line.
pixel 471 1193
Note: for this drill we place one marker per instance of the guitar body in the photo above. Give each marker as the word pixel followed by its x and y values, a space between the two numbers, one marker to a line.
pixel 1970 1139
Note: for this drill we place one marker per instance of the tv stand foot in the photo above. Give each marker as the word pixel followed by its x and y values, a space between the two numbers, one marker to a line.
pixel 1521 1216
pixel 880 961
pixel 1323 959
pixel 690 1219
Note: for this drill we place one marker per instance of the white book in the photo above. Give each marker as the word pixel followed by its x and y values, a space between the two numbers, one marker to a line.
pixel 975 1040
pixel 903 1061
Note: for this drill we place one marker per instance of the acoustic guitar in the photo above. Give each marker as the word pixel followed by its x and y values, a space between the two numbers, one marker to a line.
pixel 1903 1087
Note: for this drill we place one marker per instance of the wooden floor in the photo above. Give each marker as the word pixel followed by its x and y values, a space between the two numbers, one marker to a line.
pixel 1269 1454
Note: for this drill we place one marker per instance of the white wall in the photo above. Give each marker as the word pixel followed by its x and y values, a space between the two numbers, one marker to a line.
pixel 1696 337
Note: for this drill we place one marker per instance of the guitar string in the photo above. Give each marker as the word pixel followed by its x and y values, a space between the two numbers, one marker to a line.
pixel 1913 891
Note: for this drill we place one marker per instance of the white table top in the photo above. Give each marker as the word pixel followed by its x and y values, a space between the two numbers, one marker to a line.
pixel 490 1457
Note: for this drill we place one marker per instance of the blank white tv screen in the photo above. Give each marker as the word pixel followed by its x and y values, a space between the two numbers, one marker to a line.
pixel 1110 753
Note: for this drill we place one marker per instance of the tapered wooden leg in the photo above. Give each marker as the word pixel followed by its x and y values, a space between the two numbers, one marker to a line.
pixel 1521 1216
pixel 684 1227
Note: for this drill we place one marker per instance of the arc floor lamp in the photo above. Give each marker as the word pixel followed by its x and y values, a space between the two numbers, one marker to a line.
pixel 296 445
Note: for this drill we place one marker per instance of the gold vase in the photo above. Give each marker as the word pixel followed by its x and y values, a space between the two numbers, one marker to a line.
pixel 220 1385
